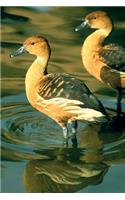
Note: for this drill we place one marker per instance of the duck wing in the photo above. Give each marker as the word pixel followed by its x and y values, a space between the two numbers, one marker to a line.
pixel 114 56
pixel 65 87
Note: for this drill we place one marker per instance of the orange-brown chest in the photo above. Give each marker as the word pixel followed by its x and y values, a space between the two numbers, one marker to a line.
pixel 91 61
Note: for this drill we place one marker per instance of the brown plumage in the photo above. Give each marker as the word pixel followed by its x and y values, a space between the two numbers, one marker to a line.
pixel 104 62
pixel 113 56
pixel 60 96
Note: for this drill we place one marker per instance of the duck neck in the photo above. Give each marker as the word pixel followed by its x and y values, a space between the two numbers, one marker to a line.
pixel 90 52
pixel 96 39
pixel 37 70
pixel 39 66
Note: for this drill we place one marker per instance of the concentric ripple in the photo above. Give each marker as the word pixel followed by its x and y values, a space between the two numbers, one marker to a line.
pixel 23 125
pixel 25 130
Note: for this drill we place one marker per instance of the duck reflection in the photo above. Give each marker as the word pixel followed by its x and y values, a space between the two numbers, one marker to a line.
pixel 68 169
pixel 61 176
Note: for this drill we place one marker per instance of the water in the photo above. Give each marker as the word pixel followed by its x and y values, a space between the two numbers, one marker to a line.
pixel 33 157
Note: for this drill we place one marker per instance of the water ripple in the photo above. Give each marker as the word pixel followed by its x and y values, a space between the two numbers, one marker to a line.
pixel 23 125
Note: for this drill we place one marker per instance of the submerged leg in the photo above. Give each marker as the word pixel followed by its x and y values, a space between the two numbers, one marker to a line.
pixel 65 136
pixel 119 98
pixel 74 125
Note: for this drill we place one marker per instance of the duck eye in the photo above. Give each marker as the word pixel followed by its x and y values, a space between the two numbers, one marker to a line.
pixel 93 17
pixel 32 43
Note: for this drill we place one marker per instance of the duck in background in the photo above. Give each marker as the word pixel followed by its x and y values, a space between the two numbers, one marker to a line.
pixel 60 96
pixel 104 62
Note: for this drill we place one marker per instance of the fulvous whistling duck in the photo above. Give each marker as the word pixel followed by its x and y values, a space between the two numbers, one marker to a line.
pixel 104 62
pixel 60 96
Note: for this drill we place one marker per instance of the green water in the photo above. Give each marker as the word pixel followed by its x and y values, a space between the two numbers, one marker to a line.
pixel 33 158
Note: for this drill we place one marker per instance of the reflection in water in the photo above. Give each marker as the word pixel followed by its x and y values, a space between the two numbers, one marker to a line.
pixel 69 170
pixel 63 173
pixel 31 139
pixel 25 136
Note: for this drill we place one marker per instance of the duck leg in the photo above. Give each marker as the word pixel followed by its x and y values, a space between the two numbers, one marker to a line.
pixel 65 136
pixel 119 98
pixel 74 126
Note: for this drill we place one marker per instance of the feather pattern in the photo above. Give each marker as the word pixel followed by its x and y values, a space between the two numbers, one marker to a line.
pixel 114 56
pixel 73 108
pixel 68 93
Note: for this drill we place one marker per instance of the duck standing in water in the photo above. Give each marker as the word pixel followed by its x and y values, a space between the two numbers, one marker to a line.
pixel 104 62
pixel 60 96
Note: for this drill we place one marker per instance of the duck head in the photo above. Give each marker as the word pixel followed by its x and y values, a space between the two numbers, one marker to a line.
pixel 96 20
pixel 35 45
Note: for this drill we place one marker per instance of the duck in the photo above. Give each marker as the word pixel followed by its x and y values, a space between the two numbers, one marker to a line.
pixel 60 96
pixel 106 62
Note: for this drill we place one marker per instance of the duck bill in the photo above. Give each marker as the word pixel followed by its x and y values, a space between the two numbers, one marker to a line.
pixel 83 25
pixel 18 52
